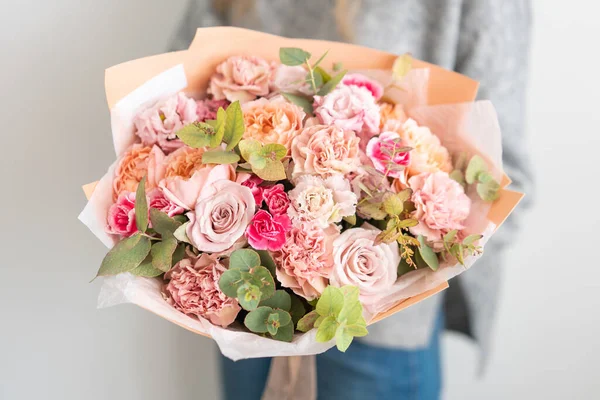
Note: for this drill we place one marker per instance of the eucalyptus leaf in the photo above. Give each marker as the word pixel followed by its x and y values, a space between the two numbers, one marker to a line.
pixel 471 239
pixel 297 310
pixel 285 333
pixel 318 78
pixel 307 322
pixel 141 206
pixel 280 299
pixel 220 157
pixel 404 267
pixel 244 259
pixel 125 255
pixel 162 223
pixel 318 62
pixel 273 171
pixel 145 269
pixel 162 253
pixel 248 147
pixel 267 261
pixel 458 176
pixel 181 233
pixel 248 296
pixel 301 101
pixel 262 278
pixel 326 330
pixel 489 191
pixel 234 125
pixel 293 56
pixel 273 151
pixel 450 236
pixel 230 281
pixel 273 323
pixel 331 84
pixel 256 320
pixel 325 77
pixel 283 317
pixel 428 254
pixel 338 66
pixel 476 166
pixel 178 254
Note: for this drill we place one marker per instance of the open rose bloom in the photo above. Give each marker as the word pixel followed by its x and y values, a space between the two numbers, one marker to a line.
pixel 375 136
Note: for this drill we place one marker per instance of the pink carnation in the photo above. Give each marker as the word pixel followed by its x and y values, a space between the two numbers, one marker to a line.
pixel 253 183
pixel 193 289
pixel 441 204
pixel 207 109
pixel 277 199
pixel 242 78
pixel 157 199
pixel 349 108
pixel 380 150
pixel 306 259
pixel 121 215
pixel 361 80
pixel 160 123
pixel 267 232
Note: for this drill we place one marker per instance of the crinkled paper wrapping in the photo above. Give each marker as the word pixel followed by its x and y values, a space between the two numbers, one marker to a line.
pixel 467 126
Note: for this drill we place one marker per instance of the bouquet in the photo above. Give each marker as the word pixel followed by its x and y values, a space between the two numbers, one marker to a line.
pixel 281 198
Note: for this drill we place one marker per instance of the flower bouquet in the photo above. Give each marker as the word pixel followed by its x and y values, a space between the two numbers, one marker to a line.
pixel 279 198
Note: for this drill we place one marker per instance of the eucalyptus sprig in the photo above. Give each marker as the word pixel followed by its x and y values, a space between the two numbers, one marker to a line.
pixel 266 161
pixel 461 248
pixel 476 172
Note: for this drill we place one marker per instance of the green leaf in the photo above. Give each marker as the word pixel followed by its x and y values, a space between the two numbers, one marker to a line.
pixel 461 162
pixel 404 267
pixel 484 177
pixel 297 310
pixel 267 261
pixel 316 64
pixel 405 194
pixel 407 223
pixel 162 253
pixel 450 236
pixel 458 176
pixel 325 77
pixel 351 313
pixel 402 66
pixel 357 330
pixel 326 330
pixel 351 219
pixel 262 278
pixel 248 296
pixel 234 125
pixel 273 323
pixel 393 205
pixel 351 293
pixel 273 151
pixel 178 254
pixel 471 239
pixel 317 77
pixel 307 322
pixel 216 136
pixel 230 281
pixel 162 223
pixel 145 269
pixel 293 56
pixel 125 256
pixel 338 66
pixel 257 161
pixel 330 85
pixel 141 206
pixel 281 299
pixel 428 254
pixel 319 320
pixel 220 157
pixel 285 333
pixel 244 259
pixel 301 101
pixel 331 301
pixel 181 233
pixel 273 171
pixel 196 135
pixel 489 191
pixel 476 166
pixel 249 147
pixel 457 251
pixel 256 320
pixel 212 122
pixel 283 317
pixel 343 338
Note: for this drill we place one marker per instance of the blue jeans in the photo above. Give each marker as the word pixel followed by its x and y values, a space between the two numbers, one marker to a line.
pixel 362 372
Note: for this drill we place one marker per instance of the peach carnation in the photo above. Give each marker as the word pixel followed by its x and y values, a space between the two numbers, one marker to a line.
pixel 184 162
pixel 389 111
pixel 242 78
pixel 137 162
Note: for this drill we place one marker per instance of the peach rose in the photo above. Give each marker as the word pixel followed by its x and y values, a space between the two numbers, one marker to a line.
pixel 357 261
pixel 305 260
pixel 193 289
pixel 272 120
pixel 441 205
pixel 325 150
pixel 184 162
pixel 242 78
pixel 159 124
pixel 388 111
pixel 428 154
pixel 137 162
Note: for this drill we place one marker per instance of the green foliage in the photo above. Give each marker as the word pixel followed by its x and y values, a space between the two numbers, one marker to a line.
pixel 281 299
pixel 297 309
pixel 393 204
pixel 428 254
pixel 292 56
pixel 267 261
pixel 199 134
pixel 338 66
pixel 162 253
pixel 331 84
pixel 266 161
pixel 459 249
pixel 458 176
pixel 141 206
pixel 307 322
pixel 181 233
pixel 125 255
pixel 145 269
pixel 402 66
pixel 162 223
pixel 256 320
pixel 324 76
pixel 277 323
pixel 301 101
pixel 244 259
pixel 248 296
pixel 220 157
pixel 476 166
pixel 234 125
pixel 489 190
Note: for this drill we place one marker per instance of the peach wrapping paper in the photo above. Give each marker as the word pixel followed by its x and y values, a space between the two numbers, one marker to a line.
pixel 140 82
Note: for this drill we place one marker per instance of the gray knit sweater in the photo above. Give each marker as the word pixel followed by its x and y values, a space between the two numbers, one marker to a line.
pixel 487 40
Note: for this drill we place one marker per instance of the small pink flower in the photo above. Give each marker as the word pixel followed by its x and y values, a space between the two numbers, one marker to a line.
pixel 121 215
pixel 277 199
pixel 441 204
pixel 253 183
pixel 157 199
pixel 361 80
pixel 207 109
pixel 267 232
pixel 193 289
pixel 380 150
pixel 242 78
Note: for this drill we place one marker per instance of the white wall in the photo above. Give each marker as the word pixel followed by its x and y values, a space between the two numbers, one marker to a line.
pixel 55 136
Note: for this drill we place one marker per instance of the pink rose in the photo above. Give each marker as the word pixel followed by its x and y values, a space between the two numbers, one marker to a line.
pixel 193 289
pixel 242 78
pixel 288 79
pixel 160 123
pixel 361 80
pixel 441 205
pixel 267 232
pixel 380 150
pixel 207 108
pixel 121 215
pixel 325 150
pixel 305 260
pixel 350 108
pixel 357 261
pixel 253 183
pixel 324 201
pixel 277 199
pixel 157 199
pixel 222 213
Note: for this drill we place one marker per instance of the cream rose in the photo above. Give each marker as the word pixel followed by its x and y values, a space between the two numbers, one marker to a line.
pixel 325 150
pixel 222 213
pixel 357 261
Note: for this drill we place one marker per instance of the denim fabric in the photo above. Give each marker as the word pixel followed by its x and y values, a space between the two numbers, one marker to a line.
pixel 362 372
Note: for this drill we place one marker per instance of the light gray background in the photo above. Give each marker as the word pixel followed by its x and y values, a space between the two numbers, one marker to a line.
pixel 55 136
